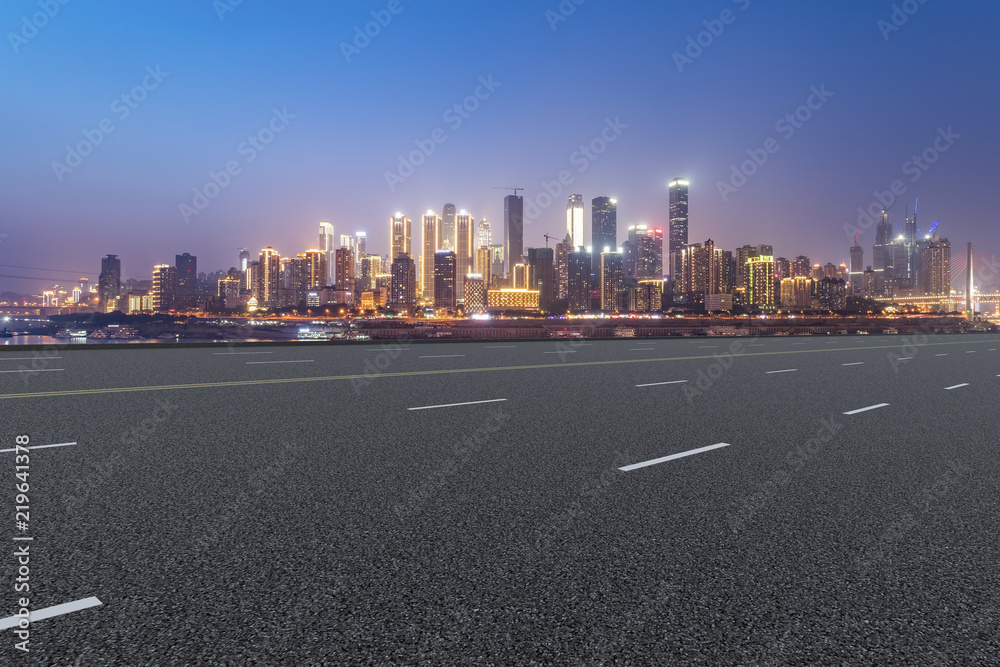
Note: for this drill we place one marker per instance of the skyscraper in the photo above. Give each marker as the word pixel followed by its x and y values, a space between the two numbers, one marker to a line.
pixel 759 273
pixel 360 246
pixel 497 259
pixel 796 292
pixel 164 287
pixel 883 238
pixel 400 234
pixel 574 219
pixel 513 225
pixel 485 237
pixel 447 234
pixel 561 268
pixel 444 279
pixel 541 276
pixel 612 280
pixel 475 294
pixel 431 244
pixel 465 232
pixel 270 272
pixel 935 272
pixel 345 269
pixel 603 228
pixel 579 288
pixel 109 283
pixel 244 259
pixel 187 274
pixel 678 221
pixel 403 285
pixel 484 265
pixel 316 272
pixel 327 246
pixel 801 266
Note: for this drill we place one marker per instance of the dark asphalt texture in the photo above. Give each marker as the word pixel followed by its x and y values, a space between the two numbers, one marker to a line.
pixel 324 523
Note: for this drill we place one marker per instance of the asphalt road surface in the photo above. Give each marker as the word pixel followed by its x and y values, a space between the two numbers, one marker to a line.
pixel 511 503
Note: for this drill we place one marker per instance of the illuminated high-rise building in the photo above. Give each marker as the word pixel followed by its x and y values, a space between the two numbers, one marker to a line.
pixel 371 266
pixel 229 291
pixel 485 236
pixel 630 250
pixel 465 238
pixel 497 257
pixel 561 268
pixel 446 237
pixel 646 260
pixel 109 283
pixel 857 267
pixel 444 279
pixel 244 261
pixel 513 226
pixel 796 292
pixel 520 276
pixel 541 278
pixel 270 273
pixel 484 265
pixel 657 235
pixel 603 229
pixel 329 248
pixel 475 294
pixel 360 245
pixel 882 251
pixel 579 286
pixel 612 280
pixel 164 287
pixel 678 222
pixel 801 266
pixel 574 219
pixel 345 269
pixel 759 274
pixel 315 269
pixel 403 284
pixel 400 234
pixel 935 271
pixel 692 274
pixel 431 244
pixel 832 293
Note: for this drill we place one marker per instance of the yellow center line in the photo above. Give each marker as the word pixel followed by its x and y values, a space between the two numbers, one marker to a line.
pixel 450 371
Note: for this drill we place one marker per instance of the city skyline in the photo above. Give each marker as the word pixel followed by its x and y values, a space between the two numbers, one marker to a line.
pixel 804 185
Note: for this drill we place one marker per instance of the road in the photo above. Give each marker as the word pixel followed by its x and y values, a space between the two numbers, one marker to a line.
pixel 465 503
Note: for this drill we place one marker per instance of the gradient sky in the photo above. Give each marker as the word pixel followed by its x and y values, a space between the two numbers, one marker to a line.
pixel 608 59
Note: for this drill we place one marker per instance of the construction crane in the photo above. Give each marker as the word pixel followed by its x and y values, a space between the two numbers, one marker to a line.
pixel 547 237
pixel 515 189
